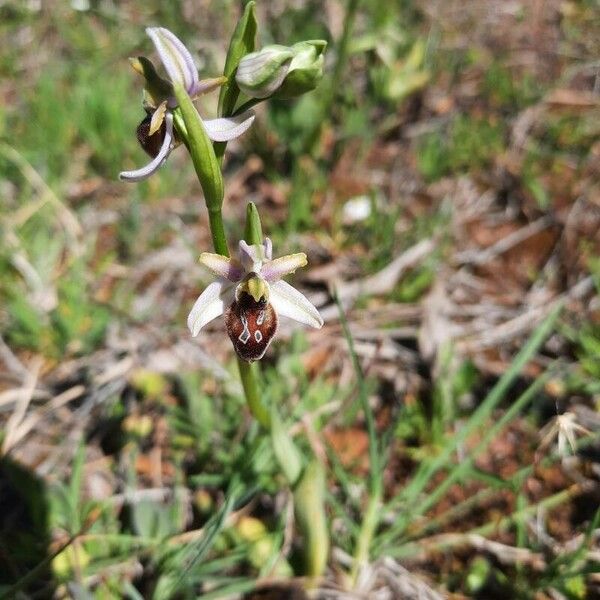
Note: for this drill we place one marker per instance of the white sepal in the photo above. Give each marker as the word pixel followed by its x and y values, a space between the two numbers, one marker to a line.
pixel 211 303
pixel 175 57
pixel 289 302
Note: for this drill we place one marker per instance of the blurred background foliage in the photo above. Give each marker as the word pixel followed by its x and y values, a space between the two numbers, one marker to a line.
pixel 461 140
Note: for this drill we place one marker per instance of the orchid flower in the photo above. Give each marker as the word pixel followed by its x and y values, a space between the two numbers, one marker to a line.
pixel 156 131
pixel 252 295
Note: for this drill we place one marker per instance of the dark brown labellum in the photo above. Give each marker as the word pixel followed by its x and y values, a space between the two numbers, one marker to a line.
pixel 151 143
pixel 251 326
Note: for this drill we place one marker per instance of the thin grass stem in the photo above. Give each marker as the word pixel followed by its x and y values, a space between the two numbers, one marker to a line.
pixel 373 511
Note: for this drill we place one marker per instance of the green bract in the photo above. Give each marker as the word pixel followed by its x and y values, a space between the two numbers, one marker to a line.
pixel 242 43
pixel 281 70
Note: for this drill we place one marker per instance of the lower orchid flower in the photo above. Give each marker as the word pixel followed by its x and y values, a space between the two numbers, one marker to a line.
pixel 252 295
pixel 156 132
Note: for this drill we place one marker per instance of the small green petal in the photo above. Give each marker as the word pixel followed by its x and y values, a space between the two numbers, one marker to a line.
pixel 157 118
pixel 158 88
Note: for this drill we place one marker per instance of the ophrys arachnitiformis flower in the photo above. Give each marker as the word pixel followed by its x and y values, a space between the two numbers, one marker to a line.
pixel 252 295
pixel 156 132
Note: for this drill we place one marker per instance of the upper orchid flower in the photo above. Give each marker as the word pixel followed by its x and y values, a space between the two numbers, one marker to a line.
pixel 252 295
pixel 155 132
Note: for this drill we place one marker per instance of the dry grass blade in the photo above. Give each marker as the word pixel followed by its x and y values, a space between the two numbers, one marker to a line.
pixel 523 323
pixel 384 281
pixel 12 433
pixel 11 361
pixel 68 219
pixel 381 282
pixel 479 257
pixel 33 420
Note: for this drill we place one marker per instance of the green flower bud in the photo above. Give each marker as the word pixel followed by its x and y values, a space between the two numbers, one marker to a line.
pixel 261 73
pixel 281 71
pixel 306 68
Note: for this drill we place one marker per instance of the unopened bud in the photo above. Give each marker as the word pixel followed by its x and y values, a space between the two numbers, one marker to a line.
pixel 281 70
pixel 306 68
pixel 261 73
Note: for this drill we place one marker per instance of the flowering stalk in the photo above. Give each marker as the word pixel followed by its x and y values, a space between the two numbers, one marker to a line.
pixel 249 291
pixel 208 170
pixel 308 484
pixel 242 43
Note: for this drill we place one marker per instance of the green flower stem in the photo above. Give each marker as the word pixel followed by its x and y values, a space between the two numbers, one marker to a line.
pixel 213 204
pixel 217 231
pixel 247 106
pixel 243 41
pixel 249 379
pixel 203 156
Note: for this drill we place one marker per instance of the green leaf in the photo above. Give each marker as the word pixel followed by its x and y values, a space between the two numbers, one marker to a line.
pixel 309 508
pixel 146 519
pixel 195 552
pixel 410 494
pixel 287 455
pixel 242 43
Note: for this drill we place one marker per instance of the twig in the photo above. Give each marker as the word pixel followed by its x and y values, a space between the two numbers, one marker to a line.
pixel 384 281
pixel 381 282
pixel 420 550
pixel 509 330
pixel 404 583
pixel 480 257
pixel 20 409
pixel 11 361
